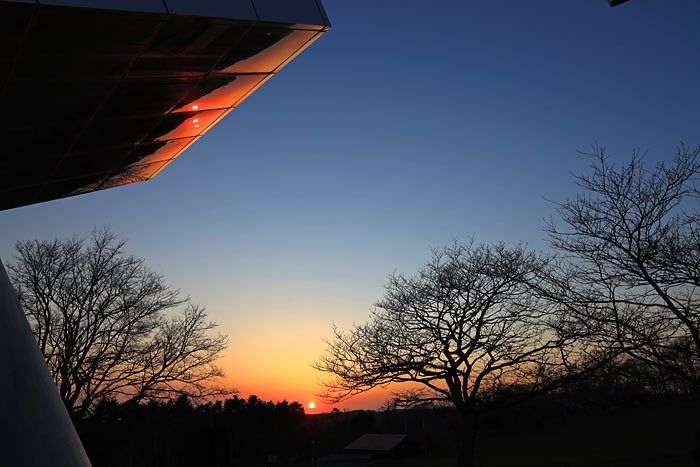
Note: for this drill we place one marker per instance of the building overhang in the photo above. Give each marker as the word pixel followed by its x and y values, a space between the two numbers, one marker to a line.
pixel 95 98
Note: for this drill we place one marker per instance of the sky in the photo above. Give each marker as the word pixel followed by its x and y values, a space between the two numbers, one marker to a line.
pixel 407 125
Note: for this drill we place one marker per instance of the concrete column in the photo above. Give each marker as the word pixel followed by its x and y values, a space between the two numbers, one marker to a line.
pixel 35 428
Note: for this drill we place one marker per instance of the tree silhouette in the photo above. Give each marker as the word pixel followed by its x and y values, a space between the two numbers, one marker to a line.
pixel 469 326
pixel 101 319
pixel 635 239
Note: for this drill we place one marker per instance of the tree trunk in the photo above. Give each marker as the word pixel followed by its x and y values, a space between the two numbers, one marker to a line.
pixel 469 424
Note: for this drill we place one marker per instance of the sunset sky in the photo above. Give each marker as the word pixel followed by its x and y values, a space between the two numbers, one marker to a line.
pixel 408 124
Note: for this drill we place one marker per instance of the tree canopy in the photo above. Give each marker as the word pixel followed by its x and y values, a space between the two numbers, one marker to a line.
pixel 633 237
pixel 470 325
pixel 108 326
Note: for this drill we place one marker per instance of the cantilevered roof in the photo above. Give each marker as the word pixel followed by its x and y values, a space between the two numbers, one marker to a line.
pixel 97 98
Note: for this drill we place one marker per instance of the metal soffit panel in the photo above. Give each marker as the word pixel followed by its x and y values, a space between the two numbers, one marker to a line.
pixel 98 98
pixel 310 12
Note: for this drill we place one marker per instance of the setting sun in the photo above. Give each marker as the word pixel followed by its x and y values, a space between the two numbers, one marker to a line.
pixel 312 405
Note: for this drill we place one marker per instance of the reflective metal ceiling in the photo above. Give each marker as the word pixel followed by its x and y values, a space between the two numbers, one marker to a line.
pixel 97 98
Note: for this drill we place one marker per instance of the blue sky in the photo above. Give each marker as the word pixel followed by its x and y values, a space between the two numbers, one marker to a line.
pixel 406 125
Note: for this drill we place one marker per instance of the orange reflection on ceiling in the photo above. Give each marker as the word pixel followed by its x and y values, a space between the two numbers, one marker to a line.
pixel 220 92
pixel 193 125
pixel 132 174
pixel 284 44
pixel 162 150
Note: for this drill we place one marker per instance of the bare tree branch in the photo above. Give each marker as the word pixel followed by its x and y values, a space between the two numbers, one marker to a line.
pixel 470 325
pixel 633 235
pixel 99 316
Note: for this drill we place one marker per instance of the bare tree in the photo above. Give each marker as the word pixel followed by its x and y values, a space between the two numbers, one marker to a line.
pixel 101 319
pixel 633 236
pixel 470 325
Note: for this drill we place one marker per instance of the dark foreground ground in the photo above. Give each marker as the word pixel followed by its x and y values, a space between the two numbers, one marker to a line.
pixel 552 431
pixel 662 434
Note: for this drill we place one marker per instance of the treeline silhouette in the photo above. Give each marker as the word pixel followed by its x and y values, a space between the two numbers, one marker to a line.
pixel 178 433
pixel 253 432
pixel 248 432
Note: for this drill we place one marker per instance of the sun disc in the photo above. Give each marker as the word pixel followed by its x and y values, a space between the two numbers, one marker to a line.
pixel 312 405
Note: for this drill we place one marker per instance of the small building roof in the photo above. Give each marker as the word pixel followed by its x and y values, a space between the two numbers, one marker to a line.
pixel 376 442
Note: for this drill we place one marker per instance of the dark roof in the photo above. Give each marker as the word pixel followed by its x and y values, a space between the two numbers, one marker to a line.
pixel 376 442
pixel 97 98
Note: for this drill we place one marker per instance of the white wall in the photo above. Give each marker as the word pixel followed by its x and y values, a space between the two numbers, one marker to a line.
pixel 35 429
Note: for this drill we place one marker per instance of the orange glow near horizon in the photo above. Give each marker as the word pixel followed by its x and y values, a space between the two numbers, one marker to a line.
pixel 273 345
